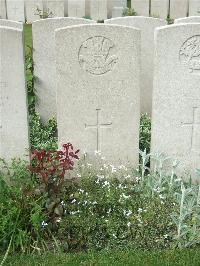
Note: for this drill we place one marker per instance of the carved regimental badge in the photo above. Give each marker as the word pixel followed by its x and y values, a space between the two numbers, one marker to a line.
pixel 95 55
pixel 190 54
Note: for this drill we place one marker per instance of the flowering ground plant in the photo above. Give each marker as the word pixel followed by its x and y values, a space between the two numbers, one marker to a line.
pixel 50 168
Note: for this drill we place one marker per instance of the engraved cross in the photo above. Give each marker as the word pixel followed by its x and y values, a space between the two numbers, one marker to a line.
pixel 98 126
pixel 15 8
pixel 195 122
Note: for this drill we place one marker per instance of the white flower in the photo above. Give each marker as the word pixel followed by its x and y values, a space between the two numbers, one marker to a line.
pixel 140 210
pixel 129 213
pixel 113 168
pixel 44 224
pixel 100 176
pixel 106 183
pixel 73 201
pixel 129 224
pixel 125 197
pixel 94 203
pixel 78 175
pixel 58 220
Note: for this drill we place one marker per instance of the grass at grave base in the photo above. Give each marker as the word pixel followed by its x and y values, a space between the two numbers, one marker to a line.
pixel 126 257
pixel 28 35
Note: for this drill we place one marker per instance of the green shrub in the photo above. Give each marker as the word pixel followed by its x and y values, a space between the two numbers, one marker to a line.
pixel 42 136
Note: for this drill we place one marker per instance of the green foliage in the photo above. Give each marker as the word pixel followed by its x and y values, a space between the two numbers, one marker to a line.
pixel 44 13
pixel 30 78
pixel 145 133
pixel 129 12
pixel 42 136
pixel 21 214
pixel 100 206
pixel 116 257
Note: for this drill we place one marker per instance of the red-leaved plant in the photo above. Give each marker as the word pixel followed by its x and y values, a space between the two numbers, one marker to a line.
pixel 51 167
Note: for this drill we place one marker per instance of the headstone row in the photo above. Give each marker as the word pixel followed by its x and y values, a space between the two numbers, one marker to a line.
pixel 97 83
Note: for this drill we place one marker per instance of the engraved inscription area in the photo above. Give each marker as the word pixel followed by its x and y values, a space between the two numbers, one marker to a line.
pixel 95 55
pixel 189 54
pixel 98 126
pixel 195 130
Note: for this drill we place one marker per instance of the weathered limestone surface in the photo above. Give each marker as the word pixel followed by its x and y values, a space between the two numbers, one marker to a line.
pixel 98 90
pixel 44 61
pixel 176 97
pixel 159 8
pixel 76 8
pixel 141 7
pixel 178 8
pixel 11 24
pixel 2 9
pixel 15 10
pixel 147 26
pixel 14 137
pixel 98 9
pixel 192 19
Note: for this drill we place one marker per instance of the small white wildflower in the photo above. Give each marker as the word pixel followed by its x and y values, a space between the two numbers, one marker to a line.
pixel 73 201
pixel 140 210
pixel 114 235
pixel 106 183
pixel 129 213
pixel 81 190
pixel 120 186
pixel 127 177
pixel 125 197
pixel 161 196
pixel 44 224
pixel 166 236
pixel 129 224
pixel 109 211
pixel 100 176
pixel 113 170
pixel 78 175
pixel 58 220
pixel 94 203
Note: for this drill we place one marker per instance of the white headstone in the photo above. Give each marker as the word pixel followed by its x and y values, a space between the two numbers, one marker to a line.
pixel 44 61
pixel 141 7
pixel 11 24
pixel 76 8
pixel 55 8
pixel 117 12
pixel 178 8
pixel 13 101
pixel 194 8
pixel 32 7
pixel 2 9
pixel 98 9
pixel 176 98
pixel 192 19
pixel 98 90
pixel 16 10
pixel 147 26
pixel 112 4
pixel 159 8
